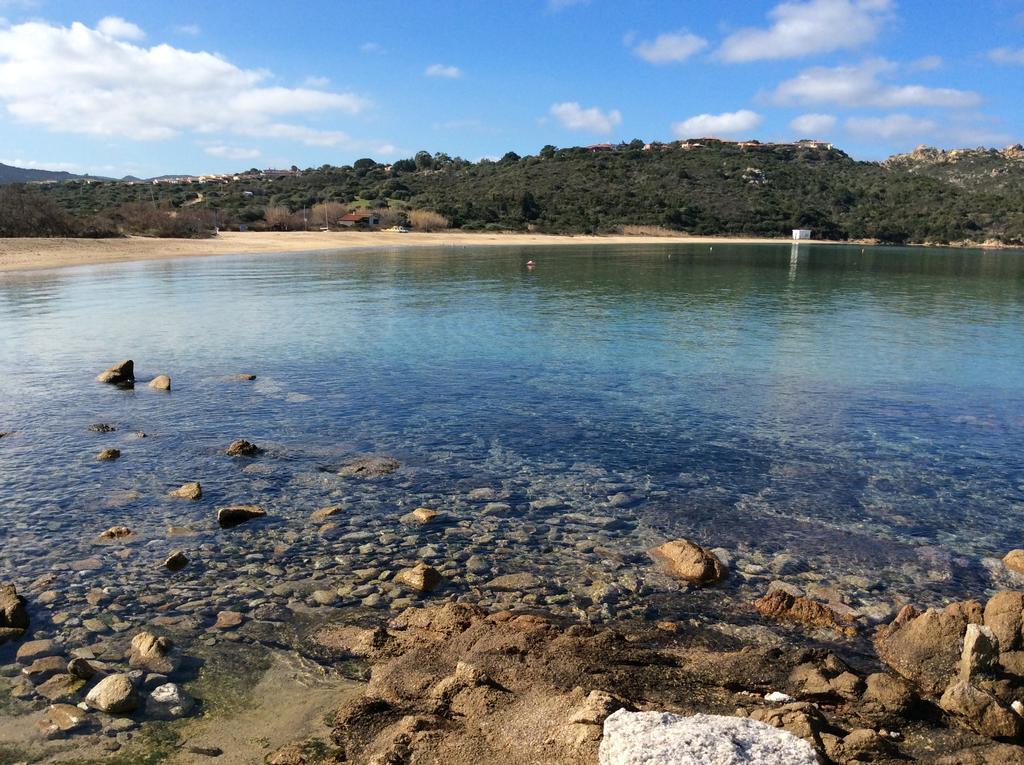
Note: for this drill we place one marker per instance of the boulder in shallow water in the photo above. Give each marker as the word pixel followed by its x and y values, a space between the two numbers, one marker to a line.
pixel 101 427
pixel 233 515
pixel 13 616
pixel 160 382
pixel 114 694
pixel 121 373
pixel 1014 560
pixel 176 561
pixel 153 653
pixel 420 578
pixel 242 448
pixel 660 738
pixel 107 455
pixel 191 490
pixel 169 702
pixel 689 561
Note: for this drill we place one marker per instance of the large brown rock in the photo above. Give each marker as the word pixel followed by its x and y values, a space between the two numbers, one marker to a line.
pixel 982 712
pixel 925 648
pixel 1004 615
pixel 233 515
pixel 192 490
pixel 122 373
pixel 689 561
pixel 780 605
pixel 13 616
pixel 1014 560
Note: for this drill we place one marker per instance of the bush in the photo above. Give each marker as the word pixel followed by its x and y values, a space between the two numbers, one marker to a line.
pixel 427 220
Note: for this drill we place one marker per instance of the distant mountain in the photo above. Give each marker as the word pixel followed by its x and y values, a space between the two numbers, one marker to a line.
pixel 10 174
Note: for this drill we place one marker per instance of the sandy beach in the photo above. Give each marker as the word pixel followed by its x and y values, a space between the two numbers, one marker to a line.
pixel 27 253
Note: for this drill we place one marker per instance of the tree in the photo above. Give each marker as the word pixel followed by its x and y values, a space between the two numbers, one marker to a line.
pixel 424 161
pixel 548 152
pixel 509 157
pixel 364 164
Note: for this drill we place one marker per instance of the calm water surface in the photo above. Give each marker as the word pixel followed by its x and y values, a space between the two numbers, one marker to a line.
pixel 862 410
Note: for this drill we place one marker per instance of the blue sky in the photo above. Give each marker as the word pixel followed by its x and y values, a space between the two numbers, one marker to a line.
pixel 148 88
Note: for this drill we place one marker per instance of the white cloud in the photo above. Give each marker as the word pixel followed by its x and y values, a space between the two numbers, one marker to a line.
pixel 371 47
pixel 812 125
pixel 709 125
pixel 1007 55
pixel 669 48
pixel 119 29
pixel 188 29
pixel 232 152
pixel 890 127
pixel 925 64
pixel 574 117
pixel 70 167
pixel 440 70
pixel 81 80
pixel 314 81
pixel 860 86
pixel 802 29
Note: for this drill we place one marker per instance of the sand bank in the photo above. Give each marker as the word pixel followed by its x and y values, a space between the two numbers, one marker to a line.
pixel 17 253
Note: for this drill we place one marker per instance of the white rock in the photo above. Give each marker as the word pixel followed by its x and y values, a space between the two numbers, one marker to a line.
pixel 660 738
pixel 169 701
pixel 1018 708
pixel 778 697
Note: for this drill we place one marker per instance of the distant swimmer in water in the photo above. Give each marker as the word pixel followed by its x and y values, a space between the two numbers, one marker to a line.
pixel 530 264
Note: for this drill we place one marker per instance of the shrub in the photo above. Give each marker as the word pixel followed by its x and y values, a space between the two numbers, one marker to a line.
pixel 427 220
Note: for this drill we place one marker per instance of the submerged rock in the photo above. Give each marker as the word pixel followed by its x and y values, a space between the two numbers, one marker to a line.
pixel 689 561
pixel 192 490
pixel 369 467
pixel 114 694
pixel 121 373
pixel 781 605
pixel 323 513
pixel 422 516
pixel 660 738
pixel 61 719
pixel 116 532
pixel 36 649
pixel 233 515
pixel 160 382
pixel 242 448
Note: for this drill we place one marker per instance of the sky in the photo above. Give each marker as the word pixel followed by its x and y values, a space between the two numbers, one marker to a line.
pixel 117 88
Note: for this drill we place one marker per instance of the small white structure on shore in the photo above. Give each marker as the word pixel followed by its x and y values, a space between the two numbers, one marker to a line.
pixel 801 233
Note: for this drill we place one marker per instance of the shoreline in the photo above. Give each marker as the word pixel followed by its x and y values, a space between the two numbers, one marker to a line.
pixel 18 254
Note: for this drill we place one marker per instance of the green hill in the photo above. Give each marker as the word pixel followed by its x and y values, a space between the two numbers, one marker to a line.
pixel 699 187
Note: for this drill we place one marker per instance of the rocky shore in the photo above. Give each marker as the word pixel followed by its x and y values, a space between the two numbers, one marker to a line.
pixel 485 621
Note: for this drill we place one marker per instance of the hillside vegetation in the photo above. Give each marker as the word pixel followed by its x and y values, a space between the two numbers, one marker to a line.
pixel 707 187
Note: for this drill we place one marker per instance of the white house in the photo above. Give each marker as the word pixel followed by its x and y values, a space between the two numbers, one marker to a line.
pixel 801 233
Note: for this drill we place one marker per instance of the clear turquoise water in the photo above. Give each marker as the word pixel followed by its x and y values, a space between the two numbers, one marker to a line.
pixel 862 409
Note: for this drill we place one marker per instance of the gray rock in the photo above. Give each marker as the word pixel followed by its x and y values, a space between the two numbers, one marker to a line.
pixel 981 652
pixel 369 467
pixel 660 738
